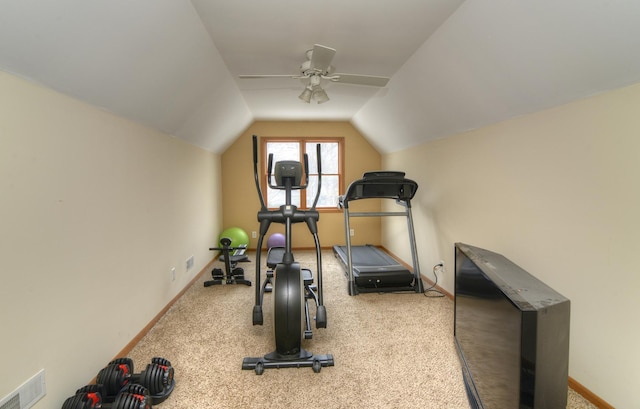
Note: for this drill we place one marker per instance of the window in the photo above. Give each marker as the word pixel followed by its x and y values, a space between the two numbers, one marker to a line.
pixel 331 150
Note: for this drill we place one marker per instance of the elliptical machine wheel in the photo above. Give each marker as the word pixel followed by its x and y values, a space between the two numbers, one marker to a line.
pixel 288 303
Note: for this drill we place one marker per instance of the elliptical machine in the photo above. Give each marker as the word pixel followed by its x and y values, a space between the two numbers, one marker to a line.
pixel 289 300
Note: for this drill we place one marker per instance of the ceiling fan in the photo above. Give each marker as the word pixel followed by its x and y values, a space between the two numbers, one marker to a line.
pixel 317 68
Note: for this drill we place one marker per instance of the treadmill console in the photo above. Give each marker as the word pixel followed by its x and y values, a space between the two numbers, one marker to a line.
pixel 381 185
pixel 383 174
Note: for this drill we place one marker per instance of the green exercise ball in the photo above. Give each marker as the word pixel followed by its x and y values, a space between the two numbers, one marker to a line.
pixel 237 235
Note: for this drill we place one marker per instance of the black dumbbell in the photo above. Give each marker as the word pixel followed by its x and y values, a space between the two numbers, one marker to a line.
pixel 132 396
pixel 157 377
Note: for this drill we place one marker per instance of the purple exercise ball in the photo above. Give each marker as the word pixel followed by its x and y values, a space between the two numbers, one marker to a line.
pixel 275 240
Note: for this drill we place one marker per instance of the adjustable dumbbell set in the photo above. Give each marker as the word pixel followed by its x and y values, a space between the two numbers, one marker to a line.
pixel 118 387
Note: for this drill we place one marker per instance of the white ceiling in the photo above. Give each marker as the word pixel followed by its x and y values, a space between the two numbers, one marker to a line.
pixel 271 37
pixel 454 65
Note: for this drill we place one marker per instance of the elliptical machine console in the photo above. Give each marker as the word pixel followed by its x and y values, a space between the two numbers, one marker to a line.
pixel 291 289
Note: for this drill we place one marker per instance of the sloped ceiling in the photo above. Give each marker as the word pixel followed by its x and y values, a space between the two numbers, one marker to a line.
pixel 148 60
pixel 174 64
pixel 497 59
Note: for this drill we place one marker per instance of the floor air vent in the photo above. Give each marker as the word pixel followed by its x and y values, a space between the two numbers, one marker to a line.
pixel 12 403
pixel 27 394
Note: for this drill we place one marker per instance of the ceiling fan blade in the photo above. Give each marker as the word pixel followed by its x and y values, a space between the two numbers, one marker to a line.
pixel 251 77
pixel 370 80
pixel 321 57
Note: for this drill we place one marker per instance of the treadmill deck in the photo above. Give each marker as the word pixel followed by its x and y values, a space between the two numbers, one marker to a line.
pixel 373 268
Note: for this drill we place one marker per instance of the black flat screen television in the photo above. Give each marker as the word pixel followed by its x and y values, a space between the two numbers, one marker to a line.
pixel 512 333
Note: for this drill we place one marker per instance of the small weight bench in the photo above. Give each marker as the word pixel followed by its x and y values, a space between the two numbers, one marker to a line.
pixel 238 255
pixel 231 256
pixel 274 257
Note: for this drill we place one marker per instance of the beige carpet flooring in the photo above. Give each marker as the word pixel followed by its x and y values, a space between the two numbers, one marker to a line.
pixel 390 350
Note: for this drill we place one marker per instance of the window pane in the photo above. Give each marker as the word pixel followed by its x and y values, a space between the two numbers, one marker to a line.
pixel 282 151
pixel 291 150
pixel 329 156
pixel 276 198
pixel 328 193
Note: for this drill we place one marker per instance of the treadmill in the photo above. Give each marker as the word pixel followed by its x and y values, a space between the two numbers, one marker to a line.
pixel 369 268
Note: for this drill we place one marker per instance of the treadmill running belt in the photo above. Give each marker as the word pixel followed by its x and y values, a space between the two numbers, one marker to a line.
pixel 374 268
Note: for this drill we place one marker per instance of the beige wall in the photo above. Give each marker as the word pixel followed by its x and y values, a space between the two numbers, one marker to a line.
pixel 558 193
pixel 240 200
pixel 95 211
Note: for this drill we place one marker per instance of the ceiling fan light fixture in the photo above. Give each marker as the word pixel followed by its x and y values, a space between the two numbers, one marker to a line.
pixel 306 95
pixel 320 96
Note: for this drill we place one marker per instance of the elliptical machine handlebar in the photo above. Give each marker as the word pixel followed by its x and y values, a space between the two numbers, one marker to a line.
pixel 319 165
pixel 255 172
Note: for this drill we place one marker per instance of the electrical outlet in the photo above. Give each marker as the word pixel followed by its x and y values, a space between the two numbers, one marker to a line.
pixel 442 269
pixel 352 232
pixel 254 234
pixel 173 274
pixel 189 263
